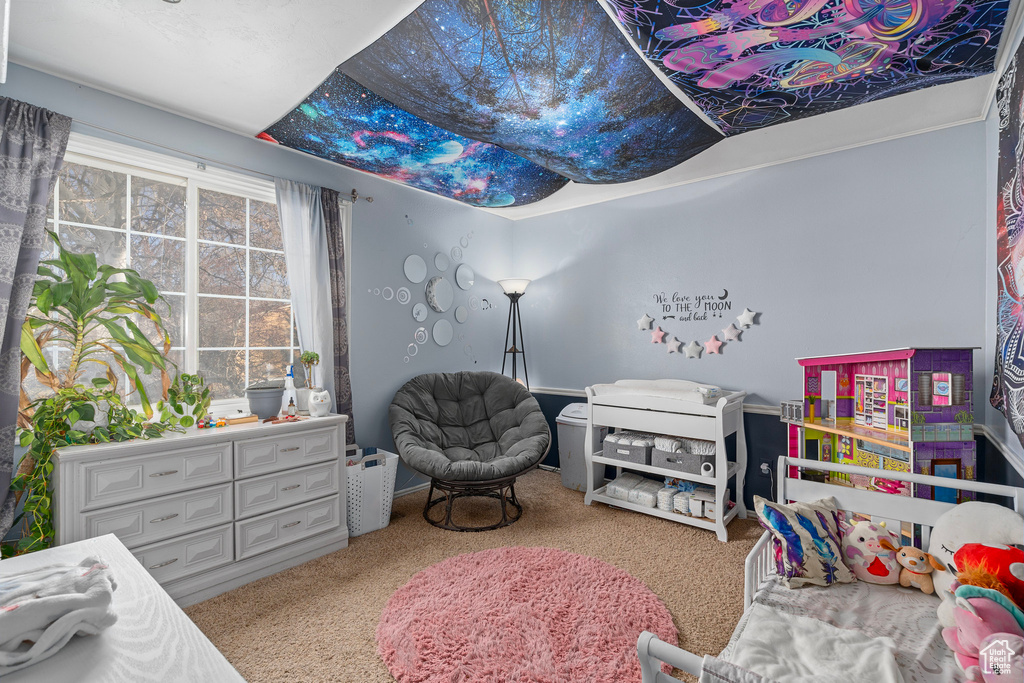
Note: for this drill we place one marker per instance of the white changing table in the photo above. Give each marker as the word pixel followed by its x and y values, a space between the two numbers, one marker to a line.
pixel 152 640
pixel 654 407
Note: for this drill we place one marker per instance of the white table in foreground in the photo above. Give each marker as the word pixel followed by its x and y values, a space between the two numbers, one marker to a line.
pixel 153 640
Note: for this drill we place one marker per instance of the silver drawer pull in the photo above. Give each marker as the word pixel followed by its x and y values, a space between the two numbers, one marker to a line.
pixel 288 450
pixel 293 486
pixel 163 474
pixel 289 524
pixel 163 564
pixel 163 519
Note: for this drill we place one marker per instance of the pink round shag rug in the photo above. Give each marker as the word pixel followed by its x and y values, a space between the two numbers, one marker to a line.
pixel 520 614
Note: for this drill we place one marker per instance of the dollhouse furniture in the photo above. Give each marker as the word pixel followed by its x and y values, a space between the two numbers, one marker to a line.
pixel 152 639
pixel 472 433
pixel 911 620
pixel 213 509
pixel 901 410
pixel 673 408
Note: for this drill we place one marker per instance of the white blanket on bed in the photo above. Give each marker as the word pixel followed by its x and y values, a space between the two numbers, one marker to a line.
pixel 790 649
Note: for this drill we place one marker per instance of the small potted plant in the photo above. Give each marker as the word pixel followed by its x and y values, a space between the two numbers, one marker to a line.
pixel 308 359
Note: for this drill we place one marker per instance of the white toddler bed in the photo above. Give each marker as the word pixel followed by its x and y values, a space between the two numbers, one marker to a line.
pixel 855 611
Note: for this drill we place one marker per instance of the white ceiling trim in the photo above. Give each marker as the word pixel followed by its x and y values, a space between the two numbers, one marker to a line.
pixel 661 76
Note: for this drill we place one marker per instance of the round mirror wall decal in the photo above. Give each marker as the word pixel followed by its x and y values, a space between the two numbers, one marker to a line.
pixel 441 261
pixel 464 276
pixel 461 314
pixel 440 294
pixel 456 253
pixel 421 335
pixel 419 312
pixel 415 268
pixel 388 294
pixel 443 332
pixel 403 295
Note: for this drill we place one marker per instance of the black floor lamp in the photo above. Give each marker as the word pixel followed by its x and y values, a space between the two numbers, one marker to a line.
pixel 514 289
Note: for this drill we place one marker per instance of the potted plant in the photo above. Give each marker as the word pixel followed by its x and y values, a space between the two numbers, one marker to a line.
pixel 308 359
pixel 188 401
pixel 87 308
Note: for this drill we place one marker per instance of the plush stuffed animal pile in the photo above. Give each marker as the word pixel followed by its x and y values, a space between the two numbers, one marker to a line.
pixel 982 589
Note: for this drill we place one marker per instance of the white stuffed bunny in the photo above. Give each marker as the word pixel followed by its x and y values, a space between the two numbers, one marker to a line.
pixel 969 522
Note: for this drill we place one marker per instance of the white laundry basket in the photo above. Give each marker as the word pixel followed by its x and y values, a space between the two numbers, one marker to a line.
pixel 371 490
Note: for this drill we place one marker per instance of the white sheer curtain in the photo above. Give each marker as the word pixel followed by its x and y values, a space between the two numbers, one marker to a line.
pixel 305 254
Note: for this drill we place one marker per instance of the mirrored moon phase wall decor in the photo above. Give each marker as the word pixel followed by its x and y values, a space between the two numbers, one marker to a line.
pixel 439 294
pixel 441 261
pixel 443 332
pixel 464 276
pixel 461 314
pixel 419 312
pixel 415 268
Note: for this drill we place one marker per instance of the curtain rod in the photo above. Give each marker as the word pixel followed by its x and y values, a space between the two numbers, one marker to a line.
pixel 353 197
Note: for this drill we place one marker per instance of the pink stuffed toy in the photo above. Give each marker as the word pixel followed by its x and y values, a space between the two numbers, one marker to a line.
pixel 980 613
pixel 1004 659
pixel 864 554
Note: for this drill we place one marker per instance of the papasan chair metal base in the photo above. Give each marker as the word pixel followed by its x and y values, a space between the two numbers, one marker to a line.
pixel 503 489
pixel 472 434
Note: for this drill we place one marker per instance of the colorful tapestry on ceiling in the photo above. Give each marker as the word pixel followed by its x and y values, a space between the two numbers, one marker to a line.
pixel 346 123
pixel 1008 383
pixel 555 82
pixel 753 63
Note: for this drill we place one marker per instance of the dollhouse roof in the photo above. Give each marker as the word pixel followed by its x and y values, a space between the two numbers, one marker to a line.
pixel 873 356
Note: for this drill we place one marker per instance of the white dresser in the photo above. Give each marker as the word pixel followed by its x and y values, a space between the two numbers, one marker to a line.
pixel 211 509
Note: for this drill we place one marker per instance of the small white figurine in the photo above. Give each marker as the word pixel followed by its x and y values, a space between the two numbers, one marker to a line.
pixel 319 403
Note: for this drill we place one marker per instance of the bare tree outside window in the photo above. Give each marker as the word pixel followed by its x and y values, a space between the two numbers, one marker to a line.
pixel 244 329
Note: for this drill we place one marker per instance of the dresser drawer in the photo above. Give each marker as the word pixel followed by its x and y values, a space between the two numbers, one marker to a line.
pixel 109 482
pixel 154 520
pixel 275 453
pixel 275 491
pixel 187 555
pixel 275 529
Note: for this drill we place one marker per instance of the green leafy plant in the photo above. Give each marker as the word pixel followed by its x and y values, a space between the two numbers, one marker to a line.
pixel 917 418
pixel 88 308
pixel 308 360
pixel 964 417
pixel 188 401
pixel 57 421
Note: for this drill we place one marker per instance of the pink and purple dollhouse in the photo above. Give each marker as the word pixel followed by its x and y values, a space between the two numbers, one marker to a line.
pixel 900 410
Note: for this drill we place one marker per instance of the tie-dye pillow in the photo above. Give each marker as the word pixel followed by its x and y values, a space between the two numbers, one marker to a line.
pixel 807 541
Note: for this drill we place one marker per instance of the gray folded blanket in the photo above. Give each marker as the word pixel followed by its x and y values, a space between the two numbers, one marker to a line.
pixel 42 609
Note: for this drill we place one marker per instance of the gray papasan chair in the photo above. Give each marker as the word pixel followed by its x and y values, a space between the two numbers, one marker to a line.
pixel 472 433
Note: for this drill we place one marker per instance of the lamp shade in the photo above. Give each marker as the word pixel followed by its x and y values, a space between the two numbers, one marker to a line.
pixel 514 285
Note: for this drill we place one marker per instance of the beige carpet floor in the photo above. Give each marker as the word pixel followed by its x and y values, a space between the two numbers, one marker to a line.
pixel 316 622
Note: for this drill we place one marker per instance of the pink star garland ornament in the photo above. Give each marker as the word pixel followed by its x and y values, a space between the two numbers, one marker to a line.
pixel 658 336
pixel 673 346
pixel 732 333
pixel 713 345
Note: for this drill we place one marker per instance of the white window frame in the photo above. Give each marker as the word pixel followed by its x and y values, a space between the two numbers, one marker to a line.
pixel 93 151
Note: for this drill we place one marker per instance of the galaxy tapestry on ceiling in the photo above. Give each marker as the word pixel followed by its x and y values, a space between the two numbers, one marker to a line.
pixel 753 63
pixel 346 123
pixel 554 82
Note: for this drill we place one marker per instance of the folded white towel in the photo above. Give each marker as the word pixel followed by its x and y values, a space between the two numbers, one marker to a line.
pixel 40 610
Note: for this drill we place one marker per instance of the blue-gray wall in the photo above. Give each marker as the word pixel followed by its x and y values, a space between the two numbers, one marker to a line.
pixel 876 247
pixel 399 222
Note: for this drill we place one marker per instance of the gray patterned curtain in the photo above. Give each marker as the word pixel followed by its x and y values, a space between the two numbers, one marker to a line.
pixel 32 144
pixel 329 202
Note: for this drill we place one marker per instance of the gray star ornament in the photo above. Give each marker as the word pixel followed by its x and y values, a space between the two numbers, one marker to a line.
pixel 732 333
pixel 674 345
pixel 693 350
pixel 746 318
pixel 644 323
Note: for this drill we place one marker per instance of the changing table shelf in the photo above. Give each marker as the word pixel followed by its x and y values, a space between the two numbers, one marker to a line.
pixel 628 405
pixel 702 522
pixel 650 469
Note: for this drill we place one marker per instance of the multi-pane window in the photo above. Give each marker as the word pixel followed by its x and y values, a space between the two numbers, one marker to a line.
pixel 221 267
pixel 245 324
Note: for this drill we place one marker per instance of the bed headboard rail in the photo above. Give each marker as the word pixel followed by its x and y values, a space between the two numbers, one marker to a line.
pixel 883 506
